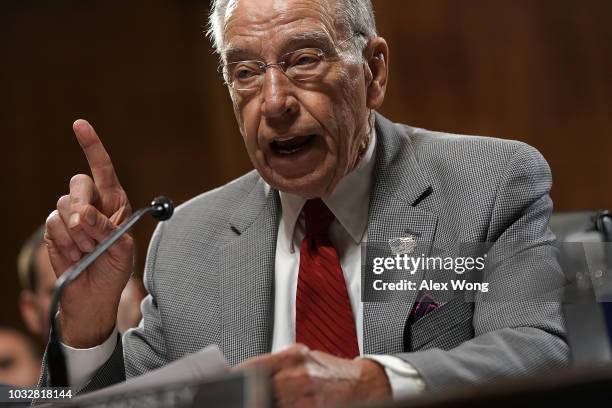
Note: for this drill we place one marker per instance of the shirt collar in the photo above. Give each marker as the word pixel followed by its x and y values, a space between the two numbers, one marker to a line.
pixel 349 201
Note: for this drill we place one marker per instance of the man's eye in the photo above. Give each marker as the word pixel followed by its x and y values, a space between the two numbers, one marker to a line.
pixel 306 59
pixel 244 73
pixel 6 362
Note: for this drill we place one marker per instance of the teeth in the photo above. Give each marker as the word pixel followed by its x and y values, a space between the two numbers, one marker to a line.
pixel 286 139
pixel 288 151
pixel 290 145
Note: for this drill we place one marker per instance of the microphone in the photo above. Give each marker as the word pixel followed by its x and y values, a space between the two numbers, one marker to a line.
pixel 161 208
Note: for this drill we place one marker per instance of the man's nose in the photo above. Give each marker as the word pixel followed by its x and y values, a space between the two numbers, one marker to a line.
pixel 278 99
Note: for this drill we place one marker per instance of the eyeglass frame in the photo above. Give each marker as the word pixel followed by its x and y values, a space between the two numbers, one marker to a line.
pixel 263 67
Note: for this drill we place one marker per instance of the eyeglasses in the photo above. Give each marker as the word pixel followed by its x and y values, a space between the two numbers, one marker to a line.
pixel 303 65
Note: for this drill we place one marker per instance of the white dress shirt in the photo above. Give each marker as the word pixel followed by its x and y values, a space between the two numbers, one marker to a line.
pixel 349 203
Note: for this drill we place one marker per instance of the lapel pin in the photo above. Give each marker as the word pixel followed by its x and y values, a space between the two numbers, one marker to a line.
pixel 403 245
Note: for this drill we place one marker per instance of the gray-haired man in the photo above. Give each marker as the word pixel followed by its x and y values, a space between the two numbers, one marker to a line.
pixel 273 258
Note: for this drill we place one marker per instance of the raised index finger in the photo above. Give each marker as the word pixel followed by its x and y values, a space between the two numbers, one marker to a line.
pixel 99 161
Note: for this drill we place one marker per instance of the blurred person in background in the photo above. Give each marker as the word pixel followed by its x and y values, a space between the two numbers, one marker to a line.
pixel 37 282
pixel 19 359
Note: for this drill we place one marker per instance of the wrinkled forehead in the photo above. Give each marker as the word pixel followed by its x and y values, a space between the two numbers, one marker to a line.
pixel 263 27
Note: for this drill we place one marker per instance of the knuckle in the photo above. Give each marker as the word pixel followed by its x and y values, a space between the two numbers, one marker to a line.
pixel 89 215
pixel 74 199
pixel 64 242
pixel 83 210
pixel 298 353
pixel 51 215
pixel 63 201
pixel 53 232
pixel 53 221
pixel 65 245
pixel 78 179
pixel 303 374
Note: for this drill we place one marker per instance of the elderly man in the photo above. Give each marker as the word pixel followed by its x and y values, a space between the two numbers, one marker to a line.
pixel 273 258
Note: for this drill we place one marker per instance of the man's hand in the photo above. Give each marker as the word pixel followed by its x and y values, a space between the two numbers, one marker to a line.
pixel 83 218
pixel 304 378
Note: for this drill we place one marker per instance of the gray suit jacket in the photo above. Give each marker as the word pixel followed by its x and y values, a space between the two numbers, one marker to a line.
pixel 210 269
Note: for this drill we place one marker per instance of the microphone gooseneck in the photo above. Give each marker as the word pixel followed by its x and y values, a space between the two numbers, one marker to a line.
pixel 161 208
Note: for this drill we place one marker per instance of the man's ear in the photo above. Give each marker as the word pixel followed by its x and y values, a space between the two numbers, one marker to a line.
pixel 377 56
pixel 29 312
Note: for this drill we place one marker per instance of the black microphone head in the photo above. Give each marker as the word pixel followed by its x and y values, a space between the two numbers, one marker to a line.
pixel 163 208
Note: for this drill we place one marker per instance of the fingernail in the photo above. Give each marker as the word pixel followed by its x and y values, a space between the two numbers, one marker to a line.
pixel 74 220
pixel 87 246
pixel 90 217
pixel 75 255
pixel 79 123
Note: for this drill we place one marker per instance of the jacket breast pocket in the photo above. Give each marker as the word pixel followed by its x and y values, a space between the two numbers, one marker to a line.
pixel 446 327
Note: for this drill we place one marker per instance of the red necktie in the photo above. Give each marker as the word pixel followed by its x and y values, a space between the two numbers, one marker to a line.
pixel 324 318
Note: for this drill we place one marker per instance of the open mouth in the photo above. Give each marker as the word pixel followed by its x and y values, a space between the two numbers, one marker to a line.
pixel 291 145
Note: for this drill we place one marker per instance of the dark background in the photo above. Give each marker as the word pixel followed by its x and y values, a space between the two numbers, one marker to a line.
pixel 144 75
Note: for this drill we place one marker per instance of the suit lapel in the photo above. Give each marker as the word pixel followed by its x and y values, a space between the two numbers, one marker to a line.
pixel 246 263
pixel 399 186
pixel 246 268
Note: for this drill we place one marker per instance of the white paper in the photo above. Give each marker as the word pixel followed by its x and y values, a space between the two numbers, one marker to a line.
pixel 206 363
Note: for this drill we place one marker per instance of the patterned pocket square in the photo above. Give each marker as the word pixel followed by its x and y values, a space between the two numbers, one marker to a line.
pixel 425 305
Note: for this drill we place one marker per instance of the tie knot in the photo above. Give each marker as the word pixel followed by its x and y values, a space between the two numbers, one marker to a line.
pixel 318 218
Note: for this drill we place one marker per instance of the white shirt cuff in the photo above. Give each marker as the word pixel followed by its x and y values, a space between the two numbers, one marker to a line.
pixel 82 364
pixel 404 379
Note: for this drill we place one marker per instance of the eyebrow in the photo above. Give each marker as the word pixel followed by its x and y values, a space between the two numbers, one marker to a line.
pixel 318 37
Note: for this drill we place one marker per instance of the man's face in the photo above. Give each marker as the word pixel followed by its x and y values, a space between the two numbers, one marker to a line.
pixel 45 286
pixel 36 304
pixel 18 364
pixel 301 137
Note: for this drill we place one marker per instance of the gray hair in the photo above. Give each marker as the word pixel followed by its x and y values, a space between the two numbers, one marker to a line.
pixel 353 16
